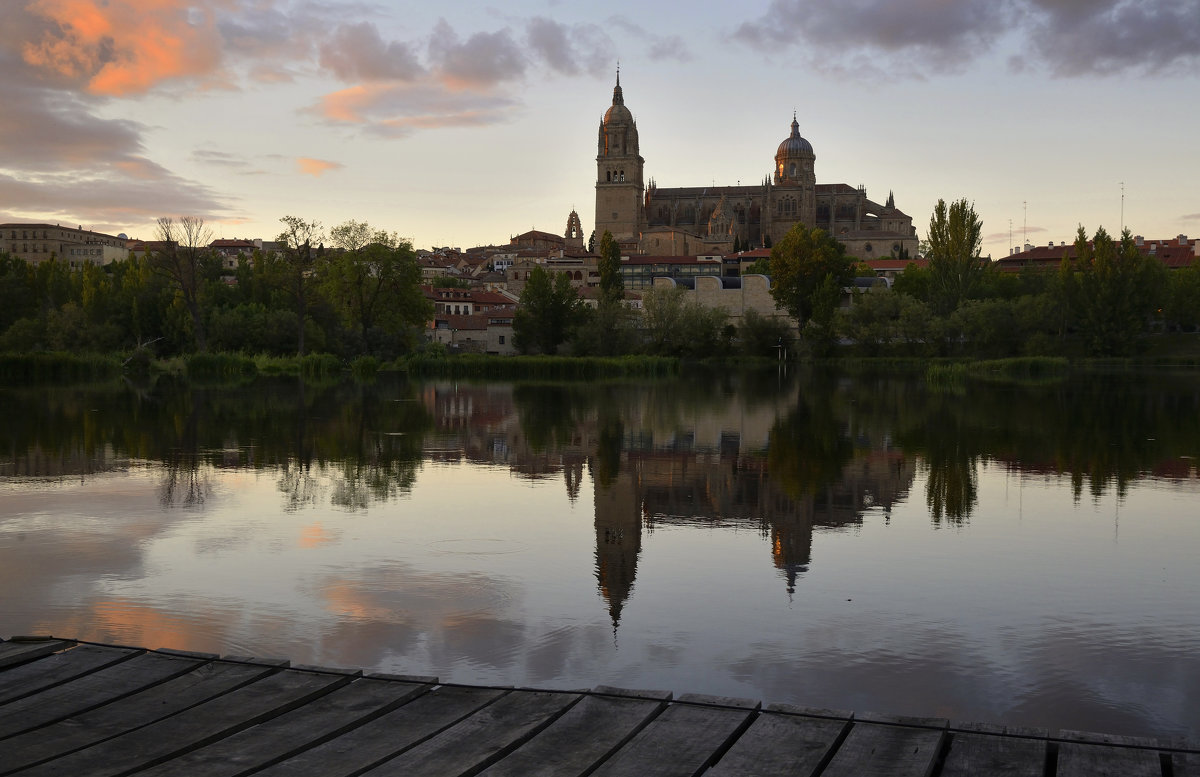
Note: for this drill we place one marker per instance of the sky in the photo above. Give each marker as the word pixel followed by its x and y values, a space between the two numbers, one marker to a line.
pixel 462 123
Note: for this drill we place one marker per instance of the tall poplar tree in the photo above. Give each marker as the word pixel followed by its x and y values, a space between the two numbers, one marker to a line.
pixel 612 285
pixel 955 267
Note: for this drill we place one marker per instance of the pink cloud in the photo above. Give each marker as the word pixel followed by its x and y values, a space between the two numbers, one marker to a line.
pixel 126 47
pixel 316 167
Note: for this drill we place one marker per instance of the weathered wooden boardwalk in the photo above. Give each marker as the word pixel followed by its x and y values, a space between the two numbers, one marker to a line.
pixel 69 708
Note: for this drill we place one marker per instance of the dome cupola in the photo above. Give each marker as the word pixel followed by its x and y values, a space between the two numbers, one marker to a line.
pixel 794 158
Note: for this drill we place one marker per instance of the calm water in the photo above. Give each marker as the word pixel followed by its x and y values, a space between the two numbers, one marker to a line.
pixel 1015 555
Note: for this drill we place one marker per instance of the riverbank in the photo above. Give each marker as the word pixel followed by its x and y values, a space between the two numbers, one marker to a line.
pixel 61 367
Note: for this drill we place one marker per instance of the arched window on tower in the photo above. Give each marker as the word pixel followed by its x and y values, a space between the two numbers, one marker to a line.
pixel 792 171
pixel 622 175
pixel 608 176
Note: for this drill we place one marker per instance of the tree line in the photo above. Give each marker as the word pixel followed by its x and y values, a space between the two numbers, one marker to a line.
pixel 353 291
pixel 1101 303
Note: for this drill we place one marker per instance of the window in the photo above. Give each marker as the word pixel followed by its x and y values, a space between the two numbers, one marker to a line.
pixel 501 339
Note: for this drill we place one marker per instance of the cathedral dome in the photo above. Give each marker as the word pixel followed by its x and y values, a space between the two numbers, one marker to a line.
pixel 794 145
pixel 618 114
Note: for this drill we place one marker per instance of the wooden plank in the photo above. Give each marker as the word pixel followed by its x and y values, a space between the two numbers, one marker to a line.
pixel 47 672
pixel 291 733
pixel 19 651
pixel 90 691
pixel 480 739
pixel 779 744
pixel 582 737
pixel 875 749
pixel 387 735
pixel 994 756
pixel 193 728
pixel 127 714
pixel 1185 764
pixel 681 741
pixel 1087 760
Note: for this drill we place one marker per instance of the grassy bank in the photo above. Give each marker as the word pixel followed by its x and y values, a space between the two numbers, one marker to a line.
pixel 27 368
pixel 541 367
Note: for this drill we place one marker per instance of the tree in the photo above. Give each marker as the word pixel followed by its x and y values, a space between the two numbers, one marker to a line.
pixel 1182 308
pixel 374 280
pixel 678 326
pixel 1119 289
pixel 182 256
pixel 612 286
pixel 955 267
pixel 760 266
pixel 296 266
pixel 800 265
pixel 547 313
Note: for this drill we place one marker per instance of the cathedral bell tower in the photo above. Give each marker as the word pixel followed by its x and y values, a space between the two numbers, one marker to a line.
pixel 619 189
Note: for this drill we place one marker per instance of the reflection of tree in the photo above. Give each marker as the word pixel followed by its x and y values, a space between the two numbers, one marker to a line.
pixel 952 487
pixel 183 485
pixel 608 450
pixel 808 448
pixel 549 413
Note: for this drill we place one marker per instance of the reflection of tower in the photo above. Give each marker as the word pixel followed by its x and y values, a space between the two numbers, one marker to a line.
pixel 618 541
pixel 573 474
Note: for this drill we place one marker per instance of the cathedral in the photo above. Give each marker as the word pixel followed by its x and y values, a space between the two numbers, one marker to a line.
pixel 706 220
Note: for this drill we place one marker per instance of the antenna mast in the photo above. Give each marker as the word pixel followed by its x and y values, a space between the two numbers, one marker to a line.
pixel 1122 207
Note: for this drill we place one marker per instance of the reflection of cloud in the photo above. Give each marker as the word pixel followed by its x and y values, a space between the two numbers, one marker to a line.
pixel 316 167
pixel 315 535
pixel 1112 681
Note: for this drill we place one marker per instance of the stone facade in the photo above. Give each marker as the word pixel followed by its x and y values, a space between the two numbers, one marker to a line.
pixel 38 242
pixel 649 219
pixel 734 295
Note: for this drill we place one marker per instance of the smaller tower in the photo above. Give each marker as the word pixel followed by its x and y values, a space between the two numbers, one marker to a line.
pixel 573 237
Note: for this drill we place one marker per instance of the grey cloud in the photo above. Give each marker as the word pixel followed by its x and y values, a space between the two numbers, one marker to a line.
pixel 109 197
pixel 1078 37
pixel 570 50
pixel 218 158
pixel 55 131
pixel 945 35
pixel 659 47
pixel 1065 37
pixel 482 61
pixel 357 52
pixel 1191 217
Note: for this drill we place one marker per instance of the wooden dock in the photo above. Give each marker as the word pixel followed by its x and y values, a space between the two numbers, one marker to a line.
pixel 72 708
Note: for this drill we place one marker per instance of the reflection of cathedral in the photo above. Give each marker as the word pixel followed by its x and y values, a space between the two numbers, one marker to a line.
pixel 706 469
pixel 701 220
pixel 730 489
